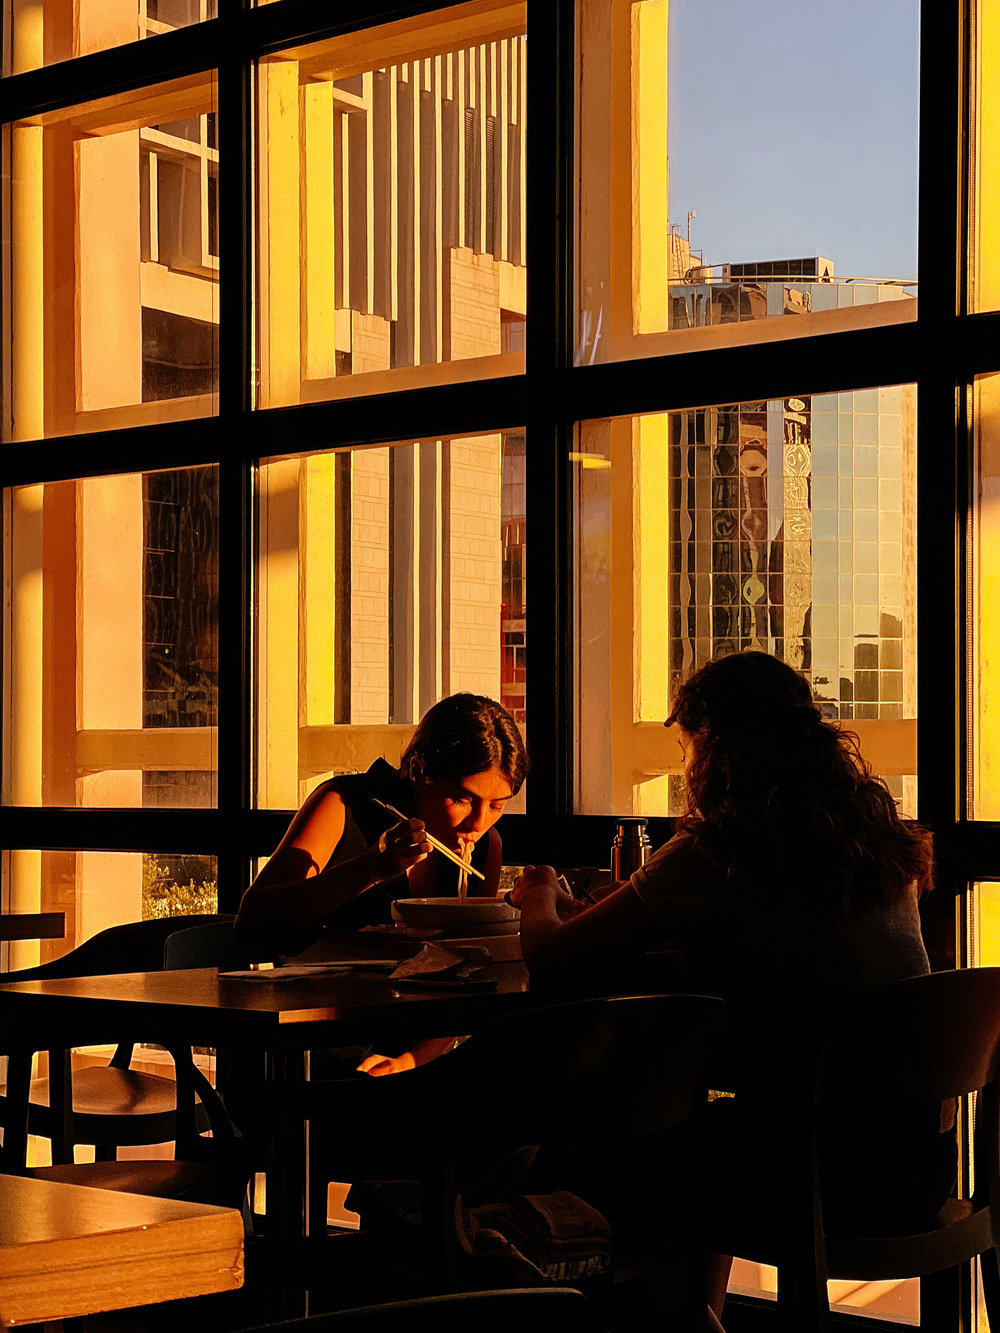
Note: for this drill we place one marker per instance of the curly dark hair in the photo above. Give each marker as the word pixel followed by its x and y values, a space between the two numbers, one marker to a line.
pixel 465 734
pixel 774 786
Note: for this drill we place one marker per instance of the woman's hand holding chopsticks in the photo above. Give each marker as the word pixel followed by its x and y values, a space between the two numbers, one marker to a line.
pixel 398 848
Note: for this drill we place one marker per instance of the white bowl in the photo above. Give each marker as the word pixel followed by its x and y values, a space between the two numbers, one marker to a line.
pixel 457 917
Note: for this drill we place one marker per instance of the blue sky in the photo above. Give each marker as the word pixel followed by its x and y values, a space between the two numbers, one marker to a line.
pixel 793 130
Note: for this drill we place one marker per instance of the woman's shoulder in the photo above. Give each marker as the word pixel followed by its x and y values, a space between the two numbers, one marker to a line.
pixel 680 873
pixel 365 794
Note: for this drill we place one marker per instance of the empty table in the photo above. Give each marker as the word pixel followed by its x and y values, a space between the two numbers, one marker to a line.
pixel 67 1250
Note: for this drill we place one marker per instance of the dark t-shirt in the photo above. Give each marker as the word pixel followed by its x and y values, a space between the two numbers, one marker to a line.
pixel 741 940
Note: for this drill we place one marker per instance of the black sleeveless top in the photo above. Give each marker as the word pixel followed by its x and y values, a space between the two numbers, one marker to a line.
pixel 366 822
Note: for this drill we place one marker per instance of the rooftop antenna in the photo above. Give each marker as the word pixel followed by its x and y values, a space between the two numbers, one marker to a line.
pixel 691 214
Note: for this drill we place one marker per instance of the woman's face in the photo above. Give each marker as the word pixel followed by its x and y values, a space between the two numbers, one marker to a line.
pixel 459 810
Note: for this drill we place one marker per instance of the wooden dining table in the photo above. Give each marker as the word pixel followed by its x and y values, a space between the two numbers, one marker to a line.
pixel 281 1020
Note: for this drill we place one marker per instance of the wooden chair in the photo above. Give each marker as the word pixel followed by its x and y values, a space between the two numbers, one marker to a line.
pixel 113 1105
pixel 922 1041
pixel 621 1068
pixel 209 944
pixel 561 1310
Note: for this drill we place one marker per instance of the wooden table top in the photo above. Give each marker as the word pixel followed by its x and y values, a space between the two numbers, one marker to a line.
pixel 66 1250
pixel 203 1009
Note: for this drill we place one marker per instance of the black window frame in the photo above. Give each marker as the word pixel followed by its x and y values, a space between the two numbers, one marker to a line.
pixel 941 352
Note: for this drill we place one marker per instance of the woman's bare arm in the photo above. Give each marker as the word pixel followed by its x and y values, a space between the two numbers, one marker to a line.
pixel 294 892
pixel 562 938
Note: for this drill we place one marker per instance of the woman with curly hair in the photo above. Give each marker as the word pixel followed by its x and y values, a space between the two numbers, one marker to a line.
pixel 790 869
pixel 790 882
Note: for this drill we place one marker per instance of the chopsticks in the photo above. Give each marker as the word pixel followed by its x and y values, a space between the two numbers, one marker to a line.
pixel 429 837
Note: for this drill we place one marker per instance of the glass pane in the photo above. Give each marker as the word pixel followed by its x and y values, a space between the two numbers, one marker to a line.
pixel 754 188
pixel 984 244
pixel 115 265
pixel 111 641
pixel 984 924
pixel 984 715
pixel 404 263
pixel 389 578
pixel 43 32
pixel 96 890
pixel 791 530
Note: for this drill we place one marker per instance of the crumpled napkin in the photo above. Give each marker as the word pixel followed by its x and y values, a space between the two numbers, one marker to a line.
pixel 441 962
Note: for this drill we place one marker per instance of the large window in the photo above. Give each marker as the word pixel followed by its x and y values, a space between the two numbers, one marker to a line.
pixel 112 614
pixel 405 262
pixel 303 332
pixel 44 32
pixel 113 250
pixel 730 176
pixel 387 578
pixel 790 529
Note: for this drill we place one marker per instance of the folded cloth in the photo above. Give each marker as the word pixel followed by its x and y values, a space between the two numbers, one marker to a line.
pixel 540 1238
pixel 439 960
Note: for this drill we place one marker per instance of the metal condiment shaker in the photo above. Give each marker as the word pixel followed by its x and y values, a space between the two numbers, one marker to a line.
pixel 630 847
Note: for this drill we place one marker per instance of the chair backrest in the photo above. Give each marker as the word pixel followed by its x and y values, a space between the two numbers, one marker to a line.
pixel 136 946
pixel 559 1310
pixel 925 1039
pixel 207 945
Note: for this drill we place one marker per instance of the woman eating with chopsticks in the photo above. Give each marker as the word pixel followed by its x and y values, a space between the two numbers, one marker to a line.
pixel 424 830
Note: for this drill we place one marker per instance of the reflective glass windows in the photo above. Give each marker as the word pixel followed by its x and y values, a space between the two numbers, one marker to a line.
pixel 43 32
pixel 404 262
pixel 111 640
pixel 96 890
pixel 114 263
pixel 791 530
pixel 727 183
pixel 388 578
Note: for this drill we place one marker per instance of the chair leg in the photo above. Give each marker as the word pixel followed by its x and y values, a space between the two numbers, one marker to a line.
pixel 61 1105
pixel 438 1201
pixel 803 1304
pixel 941 1300
pixel 318 1190
pixel 15 1134
pixel 991 1286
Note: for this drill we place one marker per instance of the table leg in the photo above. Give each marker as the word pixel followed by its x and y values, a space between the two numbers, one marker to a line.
pixel 15 1134
pixel 286 1161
